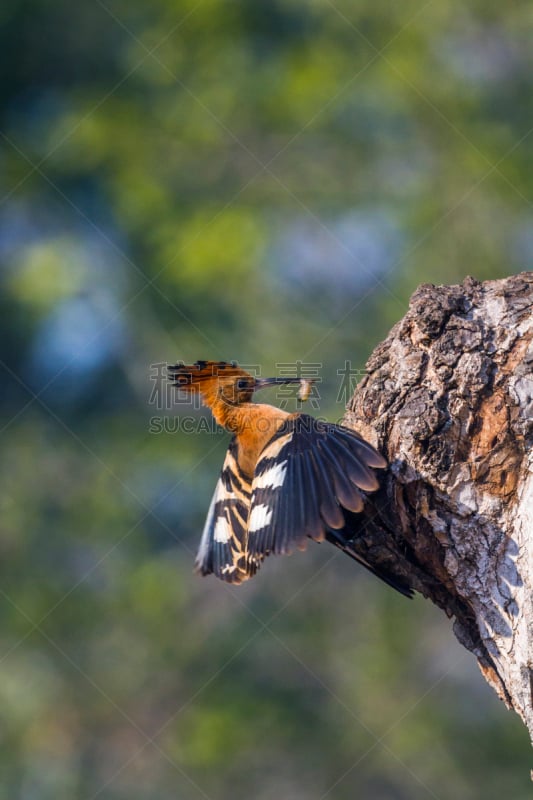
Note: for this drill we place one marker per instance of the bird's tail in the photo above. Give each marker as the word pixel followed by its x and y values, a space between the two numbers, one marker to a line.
pixel 347 546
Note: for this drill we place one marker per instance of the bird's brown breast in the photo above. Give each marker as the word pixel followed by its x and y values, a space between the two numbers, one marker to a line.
pixel 261 422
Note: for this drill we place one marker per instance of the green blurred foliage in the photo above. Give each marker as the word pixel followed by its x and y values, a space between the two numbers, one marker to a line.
pixel 263 181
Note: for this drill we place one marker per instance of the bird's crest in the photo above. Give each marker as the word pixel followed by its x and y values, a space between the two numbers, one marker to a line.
pixel 193 376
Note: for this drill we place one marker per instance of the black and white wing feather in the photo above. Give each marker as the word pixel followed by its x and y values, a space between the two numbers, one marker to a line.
pixel 305 476
pixel 222 548
pixel 308 483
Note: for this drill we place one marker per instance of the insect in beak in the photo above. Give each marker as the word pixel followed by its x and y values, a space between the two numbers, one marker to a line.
pixel 306 386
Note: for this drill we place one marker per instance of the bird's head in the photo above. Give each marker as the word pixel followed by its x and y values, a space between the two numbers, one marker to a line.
pixel 221 381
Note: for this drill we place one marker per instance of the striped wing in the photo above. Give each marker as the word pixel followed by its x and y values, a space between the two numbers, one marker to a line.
pixel 306 475
pixel 222 548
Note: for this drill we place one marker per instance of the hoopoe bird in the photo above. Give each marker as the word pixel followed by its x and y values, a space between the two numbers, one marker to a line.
pixel 286 478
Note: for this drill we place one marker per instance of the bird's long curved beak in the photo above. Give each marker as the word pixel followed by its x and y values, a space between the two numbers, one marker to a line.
pixel 263 383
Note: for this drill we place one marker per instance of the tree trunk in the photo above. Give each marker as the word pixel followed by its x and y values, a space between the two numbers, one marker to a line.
pixel 448 398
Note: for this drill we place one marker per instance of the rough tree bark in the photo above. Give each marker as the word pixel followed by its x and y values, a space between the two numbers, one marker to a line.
pixel 448 398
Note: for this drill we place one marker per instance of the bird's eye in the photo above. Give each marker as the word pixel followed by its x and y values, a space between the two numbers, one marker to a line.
pixel 242 384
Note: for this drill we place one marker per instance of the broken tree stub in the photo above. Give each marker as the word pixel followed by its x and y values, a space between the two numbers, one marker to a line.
pixel 448 398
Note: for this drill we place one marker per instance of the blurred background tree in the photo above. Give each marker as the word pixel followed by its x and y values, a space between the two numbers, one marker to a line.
pixel 264 181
